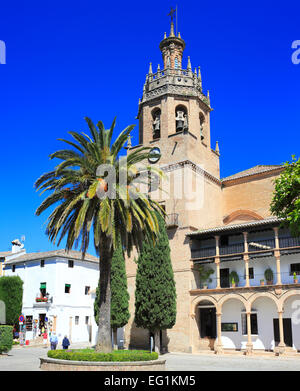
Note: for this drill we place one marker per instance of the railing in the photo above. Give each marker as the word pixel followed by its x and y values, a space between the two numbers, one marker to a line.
pixel 289 242
pixel 169 72
pixel 204 252
pixel 260 245
pixel 232 249
pixel 172 220
pixel 257 280
pixel 253 246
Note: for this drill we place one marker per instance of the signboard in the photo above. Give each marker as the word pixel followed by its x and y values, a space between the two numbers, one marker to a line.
pixel 21 319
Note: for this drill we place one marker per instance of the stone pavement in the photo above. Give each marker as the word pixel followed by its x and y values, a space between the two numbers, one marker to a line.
pixel 27 359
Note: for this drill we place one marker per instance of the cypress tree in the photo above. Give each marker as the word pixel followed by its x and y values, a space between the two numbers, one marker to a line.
pixel 119 314
pixel 11 293
pixel 155 294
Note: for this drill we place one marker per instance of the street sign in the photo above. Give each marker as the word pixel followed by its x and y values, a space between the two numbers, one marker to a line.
pixel 21 318
pixel 46 319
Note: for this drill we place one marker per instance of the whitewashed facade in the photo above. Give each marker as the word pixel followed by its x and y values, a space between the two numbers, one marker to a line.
pixel 67 283
pixel 253 314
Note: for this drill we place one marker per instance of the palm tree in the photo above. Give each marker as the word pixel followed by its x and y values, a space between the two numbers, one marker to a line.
pixel 83 205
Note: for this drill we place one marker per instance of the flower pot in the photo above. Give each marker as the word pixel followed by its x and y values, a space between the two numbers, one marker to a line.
pixel 233 285
pixel 262 283
pixel 270 282
pixel 296 281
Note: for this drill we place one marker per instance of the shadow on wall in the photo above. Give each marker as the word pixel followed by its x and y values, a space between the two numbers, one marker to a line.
pixel 140 339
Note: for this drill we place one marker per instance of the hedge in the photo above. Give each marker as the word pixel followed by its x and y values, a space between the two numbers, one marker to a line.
pixel 11 292
pixel 6 338
pixel 91 355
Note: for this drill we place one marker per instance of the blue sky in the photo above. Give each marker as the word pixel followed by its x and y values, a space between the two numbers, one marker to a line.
pixel 70 59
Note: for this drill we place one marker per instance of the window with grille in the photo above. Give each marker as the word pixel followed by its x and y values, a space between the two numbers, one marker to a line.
pixel 254 326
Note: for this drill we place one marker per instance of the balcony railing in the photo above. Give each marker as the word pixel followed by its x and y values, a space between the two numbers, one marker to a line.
pixel 289 242
pixel 204 252
pixel 172 220
pixel 232 249
pixel 260 245
pixel 253 246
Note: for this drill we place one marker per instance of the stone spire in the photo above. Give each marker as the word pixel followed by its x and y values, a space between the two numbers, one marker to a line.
pixel 172 34
pixel 150 69
pixel 189 65
pixel 217 150
pixel 208 97
pixel 199 78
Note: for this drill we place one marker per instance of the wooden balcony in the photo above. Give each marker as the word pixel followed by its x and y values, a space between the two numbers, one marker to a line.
pixel 254 246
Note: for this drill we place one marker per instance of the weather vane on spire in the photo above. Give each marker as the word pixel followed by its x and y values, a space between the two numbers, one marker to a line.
pixel 172 12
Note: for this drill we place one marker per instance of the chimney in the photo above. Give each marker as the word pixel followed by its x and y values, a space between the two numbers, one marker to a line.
pixel 16 246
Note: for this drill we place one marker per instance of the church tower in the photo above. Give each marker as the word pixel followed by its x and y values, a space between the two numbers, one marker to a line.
pixel 174 121
pixel 174 112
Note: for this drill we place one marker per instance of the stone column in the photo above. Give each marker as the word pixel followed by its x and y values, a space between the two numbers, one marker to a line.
pixel 280 349
pixel 277 256
pixel 246 258
pixel 217 261
pixel 249 345
pixel 218 343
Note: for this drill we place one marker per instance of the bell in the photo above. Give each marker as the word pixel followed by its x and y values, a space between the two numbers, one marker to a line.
pixel 179 125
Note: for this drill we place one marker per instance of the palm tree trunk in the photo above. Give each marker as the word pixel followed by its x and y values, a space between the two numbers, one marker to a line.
pixel 104 342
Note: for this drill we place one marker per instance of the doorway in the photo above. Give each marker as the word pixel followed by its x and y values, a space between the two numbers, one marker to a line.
pixel 287 331
pixel 42 323
pixel 208 322
pixel 224 278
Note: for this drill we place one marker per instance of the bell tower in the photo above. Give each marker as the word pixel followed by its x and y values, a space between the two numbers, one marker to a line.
pixel 174 111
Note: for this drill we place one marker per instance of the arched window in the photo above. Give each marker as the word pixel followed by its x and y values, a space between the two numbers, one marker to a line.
pixel 168 62
pixel 181 118
pixel 176 63
pixel 202 120
pixel 156 113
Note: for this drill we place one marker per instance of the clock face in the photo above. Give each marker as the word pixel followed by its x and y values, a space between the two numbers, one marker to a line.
pixel 154 155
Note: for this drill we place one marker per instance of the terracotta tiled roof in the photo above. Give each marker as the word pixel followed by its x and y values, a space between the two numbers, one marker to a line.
pixel 252 171
pixel 76 255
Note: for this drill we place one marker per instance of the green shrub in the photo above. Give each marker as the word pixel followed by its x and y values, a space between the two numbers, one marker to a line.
pixel 234 277
pixel 91 355
pixel 269 274
pixel 6 338
pixel 11 292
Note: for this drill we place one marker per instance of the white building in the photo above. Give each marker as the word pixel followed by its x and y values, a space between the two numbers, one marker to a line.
pixel 58 291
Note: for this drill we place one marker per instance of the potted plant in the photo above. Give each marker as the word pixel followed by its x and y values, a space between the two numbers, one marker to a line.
pixel 234 278
pixel 262 282
pixel 295 278
pixel 204 275
pixel 269 276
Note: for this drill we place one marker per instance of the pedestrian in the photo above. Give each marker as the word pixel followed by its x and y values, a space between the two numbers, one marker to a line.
pixel 53 341
pixel 45 338
pixel 65 342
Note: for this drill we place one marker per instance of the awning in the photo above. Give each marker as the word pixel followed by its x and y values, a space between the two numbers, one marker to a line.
pixel 43 285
